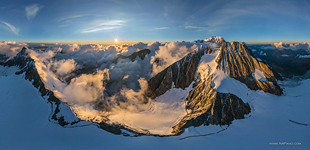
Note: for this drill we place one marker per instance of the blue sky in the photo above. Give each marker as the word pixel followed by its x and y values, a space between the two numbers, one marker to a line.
pixel 154 20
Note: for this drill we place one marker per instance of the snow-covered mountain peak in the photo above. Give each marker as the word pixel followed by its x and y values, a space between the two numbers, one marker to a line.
pixel 221 78
pixel 215 39
pixel 238 62
pixel 111 87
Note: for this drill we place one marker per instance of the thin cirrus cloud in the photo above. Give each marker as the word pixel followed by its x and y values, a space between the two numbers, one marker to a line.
pixel 191 27
pixel 66 18
pixel 32 10
pixel 198 28
pixel 104 25
pixel 162 28
pixel 9 27
pixel 233 14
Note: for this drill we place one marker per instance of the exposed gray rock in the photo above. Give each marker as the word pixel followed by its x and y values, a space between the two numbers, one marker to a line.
pixel 180 74
pixel 141 54
pixel 239 63
pixel 26 65
pixel 205 105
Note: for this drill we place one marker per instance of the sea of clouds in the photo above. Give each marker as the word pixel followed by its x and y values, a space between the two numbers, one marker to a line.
pixel 10 48
pixel 292 46
pixel 288 46
pixel 96 86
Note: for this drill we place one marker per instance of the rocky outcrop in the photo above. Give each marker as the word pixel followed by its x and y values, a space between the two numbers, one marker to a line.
pixel 239 63
pixel 203 104
pixel 141 54
pixel 180 74
pixel 26 65
pixel 206 106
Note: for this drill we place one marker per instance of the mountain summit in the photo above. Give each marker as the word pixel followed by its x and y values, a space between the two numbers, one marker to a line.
pixel 215 39
pixel 209 83
pixel 212 73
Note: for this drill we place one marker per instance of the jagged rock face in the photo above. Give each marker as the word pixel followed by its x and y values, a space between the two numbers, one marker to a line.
pixel 206 106
pixel 180 74
pixel 141 54
pixel 238 62
pixel 26 64
pixel 3 58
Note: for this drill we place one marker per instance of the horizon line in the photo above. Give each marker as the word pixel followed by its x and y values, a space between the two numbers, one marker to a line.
pixel 133 42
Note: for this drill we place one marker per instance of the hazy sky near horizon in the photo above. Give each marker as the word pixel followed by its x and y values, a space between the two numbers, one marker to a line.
pixel 154 20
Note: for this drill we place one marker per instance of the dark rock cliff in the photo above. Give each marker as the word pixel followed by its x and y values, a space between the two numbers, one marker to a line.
pixel 239 63
pixel 141 54
pixel 205 105
pixel 180 73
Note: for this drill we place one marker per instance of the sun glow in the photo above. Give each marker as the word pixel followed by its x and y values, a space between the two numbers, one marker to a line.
pixel 116 40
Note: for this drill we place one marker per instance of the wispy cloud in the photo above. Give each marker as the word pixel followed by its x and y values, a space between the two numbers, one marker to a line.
pixel 219 20
pixel 198 28
pixel 232 14
pixel 32 10
pixel 191 27
pixel 100 25
pixel 9 27
pixel 112 23
pixel 99 29
pixel 307 5
pixel 66 18
pixel 162 28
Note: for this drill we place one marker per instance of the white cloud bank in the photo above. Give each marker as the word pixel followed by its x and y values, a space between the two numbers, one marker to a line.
pixel 98 88
pixel 11 48
pixel 171 52
pixel 292 46
pixel 32 10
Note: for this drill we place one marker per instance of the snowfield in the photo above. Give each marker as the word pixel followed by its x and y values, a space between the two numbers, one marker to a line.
pixel 123 81
pixel 164 112
pixel 276 122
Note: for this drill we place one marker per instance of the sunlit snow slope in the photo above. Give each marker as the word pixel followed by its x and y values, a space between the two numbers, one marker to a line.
pixel 275 119
pixel 200 83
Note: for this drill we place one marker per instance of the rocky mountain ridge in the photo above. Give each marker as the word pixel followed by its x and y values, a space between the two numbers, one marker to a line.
pixel 238 61
pixel 26 65
pixel 204 104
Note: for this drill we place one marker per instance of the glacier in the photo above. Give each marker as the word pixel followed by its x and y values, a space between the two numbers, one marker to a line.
pixel 28 115
pixel 25 124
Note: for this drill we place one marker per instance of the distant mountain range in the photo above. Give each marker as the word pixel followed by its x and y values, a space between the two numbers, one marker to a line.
pixel 287 59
